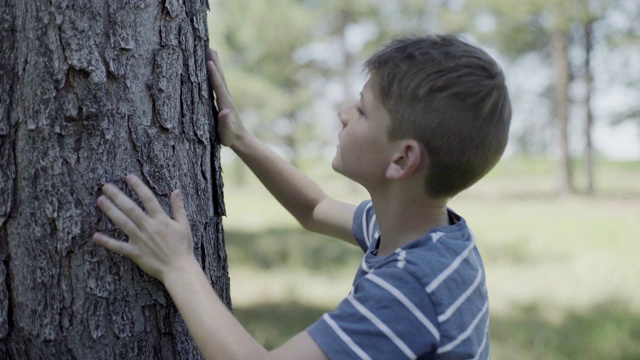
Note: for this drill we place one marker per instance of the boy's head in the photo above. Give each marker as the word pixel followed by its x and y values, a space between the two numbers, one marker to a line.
pixel 451 97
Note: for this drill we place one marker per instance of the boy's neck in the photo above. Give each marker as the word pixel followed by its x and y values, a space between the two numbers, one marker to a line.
pixel 405 217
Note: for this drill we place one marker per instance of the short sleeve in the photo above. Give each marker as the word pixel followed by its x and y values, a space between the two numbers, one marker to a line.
pixel 387 315
pixel 364 225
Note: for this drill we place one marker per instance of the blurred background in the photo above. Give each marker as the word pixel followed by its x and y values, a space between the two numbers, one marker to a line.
pixel 556 220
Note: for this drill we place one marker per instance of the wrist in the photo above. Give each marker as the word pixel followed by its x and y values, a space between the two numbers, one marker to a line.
pixel 182 270
pixel 243 143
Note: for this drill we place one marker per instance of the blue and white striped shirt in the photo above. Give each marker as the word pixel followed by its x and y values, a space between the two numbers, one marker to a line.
pixel 428 300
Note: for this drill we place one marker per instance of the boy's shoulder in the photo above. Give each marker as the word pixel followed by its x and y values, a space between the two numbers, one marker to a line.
pixel 444 253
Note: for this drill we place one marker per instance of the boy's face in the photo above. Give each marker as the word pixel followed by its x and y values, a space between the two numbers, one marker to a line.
pixel 364 150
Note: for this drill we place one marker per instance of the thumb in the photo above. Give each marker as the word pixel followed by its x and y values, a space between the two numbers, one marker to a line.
pixel 177 208
pixel 224 115
pixel 226 128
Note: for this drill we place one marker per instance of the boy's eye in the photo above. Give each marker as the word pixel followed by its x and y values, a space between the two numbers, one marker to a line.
pixel 360 111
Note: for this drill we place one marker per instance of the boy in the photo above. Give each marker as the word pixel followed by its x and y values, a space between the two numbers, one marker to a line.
pixel 432 119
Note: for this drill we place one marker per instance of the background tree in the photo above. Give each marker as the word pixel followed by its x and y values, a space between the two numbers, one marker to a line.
pixel 89 92
pixel 588 108
pixel 540 26
pixel 565 32
pixel 559 47
pixel 621 46
pixel 337 36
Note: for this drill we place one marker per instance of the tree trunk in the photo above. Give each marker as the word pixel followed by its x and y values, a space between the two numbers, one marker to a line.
pixel 588 127
pixel 560 52
pixel 89 92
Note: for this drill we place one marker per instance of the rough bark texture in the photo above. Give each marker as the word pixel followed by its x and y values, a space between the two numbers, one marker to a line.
pixel 89 92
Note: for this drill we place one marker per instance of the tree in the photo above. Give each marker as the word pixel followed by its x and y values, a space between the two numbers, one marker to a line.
pixel 562 104
pixel 622 44
pixel 588 125
pixel 525 26
pixel 89 92
pixel 566 26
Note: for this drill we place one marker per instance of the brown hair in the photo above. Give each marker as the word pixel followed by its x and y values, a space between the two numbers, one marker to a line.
pixel 451 97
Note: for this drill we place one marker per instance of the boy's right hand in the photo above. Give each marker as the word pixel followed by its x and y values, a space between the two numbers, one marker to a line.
pixel 230 128
pixel 301 196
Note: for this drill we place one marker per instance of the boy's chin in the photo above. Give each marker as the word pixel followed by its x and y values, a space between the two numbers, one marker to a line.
pixel 335 165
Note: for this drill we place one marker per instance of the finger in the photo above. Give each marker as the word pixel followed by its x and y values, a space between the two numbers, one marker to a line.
pixel 225 128
pixel 211 54
pixel 211 71
pixel 125 206
pixel 216 78
pixel 120 247
pixel 146 196
pixel 120 218
pixel 223 98
pixel 177 208
pixel 218 66
pixel 224 116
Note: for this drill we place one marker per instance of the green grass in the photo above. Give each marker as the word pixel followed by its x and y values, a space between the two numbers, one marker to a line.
pixel 605 331
pixel 563 272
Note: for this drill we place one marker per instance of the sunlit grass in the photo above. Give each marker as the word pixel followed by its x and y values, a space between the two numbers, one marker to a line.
pixel 563 272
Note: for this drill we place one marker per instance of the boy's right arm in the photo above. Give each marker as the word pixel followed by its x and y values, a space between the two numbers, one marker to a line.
pixel 300 195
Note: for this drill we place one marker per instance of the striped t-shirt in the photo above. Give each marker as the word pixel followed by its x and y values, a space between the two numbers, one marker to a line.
pixel 428 300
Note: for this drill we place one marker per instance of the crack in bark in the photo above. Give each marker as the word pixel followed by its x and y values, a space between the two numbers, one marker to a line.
pixel 12 170
pixel 136 147
pixel 13 206
pixel 214 141
pixel 7 282
pixel 203 255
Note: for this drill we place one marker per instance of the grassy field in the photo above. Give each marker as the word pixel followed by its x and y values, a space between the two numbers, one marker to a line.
pixel 563 272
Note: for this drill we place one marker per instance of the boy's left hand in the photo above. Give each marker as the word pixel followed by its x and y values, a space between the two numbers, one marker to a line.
pixel 161 246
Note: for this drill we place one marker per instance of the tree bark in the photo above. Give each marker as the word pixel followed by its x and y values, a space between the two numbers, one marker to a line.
pixel 89 92
pixel 560 53
pixel 588 126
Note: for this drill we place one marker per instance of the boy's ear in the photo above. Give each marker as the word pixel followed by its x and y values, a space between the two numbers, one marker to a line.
pixel 408 159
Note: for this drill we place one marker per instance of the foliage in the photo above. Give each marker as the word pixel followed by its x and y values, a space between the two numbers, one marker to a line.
pixel 256 41
pixel 292 63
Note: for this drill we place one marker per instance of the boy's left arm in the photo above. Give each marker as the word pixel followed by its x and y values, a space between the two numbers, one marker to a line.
pixel 163 248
